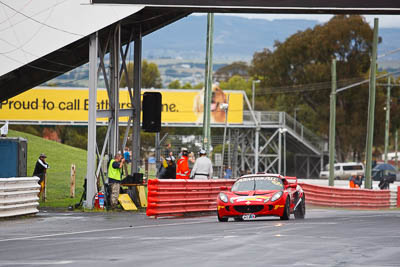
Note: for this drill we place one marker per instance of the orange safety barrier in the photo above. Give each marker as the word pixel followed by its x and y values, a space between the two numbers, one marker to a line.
pixel 176 197
pixel 345 197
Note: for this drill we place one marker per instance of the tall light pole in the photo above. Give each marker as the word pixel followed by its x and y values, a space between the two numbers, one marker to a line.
pixel 253 96
pixel 295 118
pixel 371 110
pixel 332 126
pixel 208 83
pixel 387 120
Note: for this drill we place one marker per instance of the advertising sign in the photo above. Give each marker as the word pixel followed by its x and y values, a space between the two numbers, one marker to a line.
pixel 71 105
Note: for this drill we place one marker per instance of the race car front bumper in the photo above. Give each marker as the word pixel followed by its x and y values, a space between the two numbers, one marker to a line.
pixel 267 209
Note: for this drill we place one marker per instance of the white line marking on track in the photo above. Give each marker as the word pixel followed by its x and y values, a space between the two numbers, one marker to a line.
pixel 40 263
pixel 99 230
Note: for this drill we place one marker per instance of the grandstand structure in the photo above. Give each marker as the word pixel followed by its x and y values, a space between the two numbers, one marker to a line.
pixel 43 39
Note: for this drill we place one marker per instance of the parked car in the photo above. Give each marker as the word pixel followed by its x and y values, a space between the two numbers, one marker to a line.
pixel 344 170
pixel 384 171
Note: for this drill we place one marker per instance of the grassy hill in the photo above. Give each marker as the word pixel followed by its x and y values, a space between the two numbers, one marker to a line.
pixel 59 157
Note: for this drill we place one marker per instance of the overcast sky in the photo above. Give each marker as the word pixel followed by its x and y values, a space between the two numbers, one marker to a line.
pixel 385 21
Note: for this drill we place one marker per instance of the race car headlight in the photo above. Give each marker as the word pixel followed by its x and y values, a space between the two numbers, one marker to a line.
pixel 276 196
pixel 223 197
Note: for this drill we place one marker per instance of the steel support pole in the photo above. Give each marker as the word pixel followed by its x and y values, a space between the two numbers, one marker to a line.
pixel 229 149
pixel 387 121
pixel 284 153
pixel 137 88
pixel 224 141
pixel 235 154
pixel 371 109
pixel 253 93
pixel 208 83
pixel 114 87
pixel 256 149
pixel 158 152
pixel 280 151
pixel 242 153
pixel 332 126
pixel 91 147
pixel 395 148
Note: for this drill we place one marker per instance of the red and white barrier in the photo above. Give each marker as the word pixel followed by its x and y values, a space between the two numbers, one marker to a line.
pixel 345 197
pixel 177 197
pixel 398 196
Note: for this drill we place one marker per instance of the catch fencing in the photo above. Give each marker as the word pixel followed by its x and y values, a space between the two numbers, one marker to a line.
pixel 19 196
pixel 180 196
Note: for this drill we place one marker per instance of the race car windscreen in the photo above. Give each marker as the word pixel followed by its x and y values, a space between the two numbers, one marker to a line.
pixel 257 183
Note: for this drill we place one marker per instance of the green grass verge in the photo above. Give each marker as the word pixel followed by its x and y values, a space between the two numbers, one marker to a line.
pixel 59 157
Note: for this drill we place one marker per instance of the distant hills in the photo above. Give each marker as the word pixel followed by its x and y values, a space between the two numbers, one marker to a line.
pixel 179 48
pixel 236 38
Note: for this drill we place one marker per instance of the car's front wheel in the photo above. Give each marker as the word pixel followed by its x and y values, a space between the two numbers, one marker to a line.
pixel 300 211
pixel 286 213
pixel 222 219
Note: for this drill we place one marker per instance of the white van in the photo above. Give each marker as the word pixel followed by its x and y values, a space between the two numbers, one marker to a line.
pixel 344 170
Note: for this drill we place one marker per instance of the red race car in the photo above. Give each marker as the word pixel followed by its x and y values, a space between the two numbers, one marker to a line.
pixel 257 195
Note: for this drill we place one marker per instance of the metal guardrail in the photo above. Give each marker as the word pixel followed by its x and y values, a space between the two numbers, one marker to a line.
pixel 19 196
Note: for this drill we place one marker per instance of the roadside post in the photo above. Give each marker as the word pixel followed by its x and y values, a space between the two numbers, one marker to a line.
pixel 332 125
pixel 72 182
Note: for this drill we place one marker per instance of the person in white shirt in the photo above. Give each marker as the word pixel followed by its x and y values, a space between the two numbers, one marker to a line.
pixel 202 169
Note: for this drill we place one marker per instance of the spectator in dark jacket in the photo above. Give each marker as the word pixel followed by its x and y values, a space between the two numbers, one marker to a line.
pixel 168 172
pixel 40 171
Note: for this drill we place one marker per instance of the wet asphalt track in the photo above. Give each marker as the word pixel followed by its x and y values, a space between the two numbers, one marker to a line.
pixel 325 238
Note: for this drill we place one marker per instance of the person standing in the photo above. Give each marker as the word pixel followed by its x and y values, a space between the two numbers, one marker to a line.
pixel 168 172
pixel 115 171
pixel 182 168
pixel 40 171
pixel 228 172
pixel 352 181
pixel 127 155
pixel 202 169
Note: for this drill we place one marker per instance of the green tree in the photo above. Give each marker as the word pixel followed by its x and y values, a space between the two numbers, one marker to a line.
pixel 151 77
pixel 198 86
pixel 187 85
pixel 239 68
pixel 305 59
pixel 237 82
pixel 176 84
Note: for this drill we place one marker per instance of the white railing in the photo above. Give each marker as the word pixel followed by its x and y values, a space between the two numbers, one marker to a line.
pixel 279 118
pixel 19 196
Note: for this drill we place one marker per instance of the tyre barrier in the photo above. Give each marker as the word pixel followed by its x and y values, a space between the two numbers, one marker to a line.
pixel 179 196
pixel 19 196
pixel 346 197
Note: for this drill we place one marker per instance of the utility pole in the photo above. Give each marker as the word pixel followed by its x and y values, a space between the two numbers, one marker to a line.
pixel 253 95
pixel 208 83
pixel 387 120
pixel 395 147
pixel 332 126
pixel 371 109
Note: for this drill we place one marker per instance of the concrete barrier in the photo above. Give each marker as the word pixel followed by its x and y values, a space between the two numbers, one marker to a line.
pixel 19 196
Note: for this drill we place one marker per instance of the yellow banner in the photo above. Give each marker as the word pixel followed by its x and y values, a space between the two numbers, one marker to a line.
pixel 70 104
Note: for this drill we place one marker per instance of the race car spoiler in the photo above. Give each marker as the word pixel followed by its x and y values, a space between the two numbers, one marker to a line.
pixel 292 180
